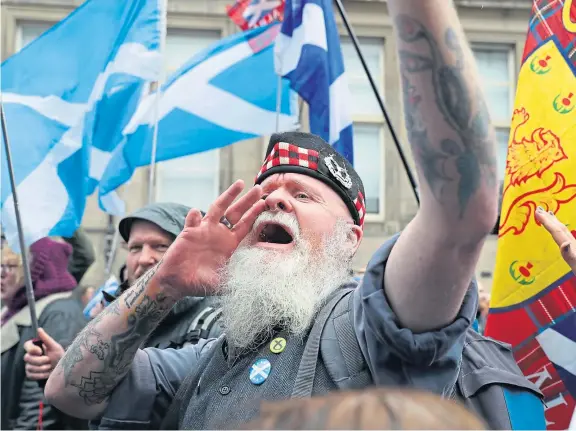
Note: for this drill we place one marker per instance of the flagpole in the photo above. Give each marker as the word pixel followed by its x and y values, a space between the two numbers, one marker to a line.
pixel 23 248
pixel 113 246
pixel 403 158
pixel 163 26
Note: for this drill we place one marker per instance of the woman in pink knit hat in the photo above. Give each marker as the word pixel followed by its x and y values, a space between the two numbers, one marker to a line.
pixel 58 313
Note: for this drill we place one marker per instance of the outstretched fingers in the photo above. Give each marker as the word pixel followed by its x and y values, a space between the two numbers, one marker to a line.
pixel 242 228
pixel 193 218
pixel 223 202
pixel 242 205
pixel 560 233
pixel 569 254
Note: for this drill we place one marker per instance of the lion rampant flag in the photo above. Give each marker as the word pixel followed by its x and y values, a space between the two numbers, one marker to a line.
pixel 533 304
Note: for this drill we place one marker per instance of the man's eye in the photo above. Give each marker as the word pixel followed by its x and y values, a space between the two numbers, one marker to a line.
pixel 301 196
pixel 134 249
pixel 162 247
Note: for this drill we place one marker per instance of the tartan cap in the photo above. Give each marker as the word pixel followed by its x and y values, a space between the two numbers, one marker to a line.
pixel 308 154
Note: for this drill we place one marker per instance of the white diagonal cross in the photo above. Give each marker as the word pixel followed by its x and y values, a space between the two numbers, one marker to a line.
pixel 192 92
pixel 259 370
pixel 256 9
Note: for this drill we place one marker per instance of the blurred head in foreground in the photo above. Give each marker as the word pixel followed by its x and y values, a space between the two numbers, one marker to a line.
pixel 383 408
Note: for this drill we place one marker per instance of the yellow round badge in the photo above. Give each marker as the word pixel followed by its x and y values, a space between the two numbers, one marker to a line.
pixel 278 345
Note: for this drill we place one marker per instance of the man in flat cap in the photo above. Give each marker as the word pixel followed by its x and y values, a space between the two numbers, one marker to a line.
pixel 295 324
pixel 148 233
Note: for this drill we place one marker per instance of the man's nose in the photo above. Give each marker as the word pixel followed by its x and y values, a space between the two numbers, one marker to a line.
pixel 279 200
pixel 148 256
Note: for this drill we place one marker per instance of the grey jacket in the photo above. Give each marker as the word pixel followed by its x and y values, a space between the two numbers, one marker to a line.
pixel 61 316
pixel 393 355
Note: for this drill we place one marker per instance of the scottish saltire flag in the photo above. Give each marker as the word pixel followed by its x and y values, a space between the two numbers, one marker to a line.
pixel 308 54
pixel 110 287
pixel 223 95
pixel 67 97
pixel 533 304
pixel 248 14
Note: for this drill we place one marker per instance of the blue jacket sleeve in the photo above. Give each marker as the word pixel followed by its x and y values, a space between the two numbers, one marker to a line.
pixel 396 355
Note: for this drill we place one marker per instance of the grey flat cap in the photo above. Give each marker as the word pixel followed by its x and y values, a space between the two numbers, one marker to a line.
pixel 168 216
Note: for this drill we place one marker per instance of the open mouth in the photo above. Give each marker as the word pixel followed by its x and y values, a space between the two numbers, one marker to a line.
pixel 275 234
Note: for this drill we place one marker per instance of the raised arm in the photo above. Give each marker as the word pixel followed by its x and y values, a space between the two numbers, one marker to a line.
pixel 453 142
pixel 102 354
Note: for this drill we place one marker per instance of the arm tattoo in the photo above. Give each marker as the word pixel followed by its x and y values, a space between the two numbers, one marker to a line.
pixel 74 353
pixel 115 353
pixel 133 294
pixel 459 164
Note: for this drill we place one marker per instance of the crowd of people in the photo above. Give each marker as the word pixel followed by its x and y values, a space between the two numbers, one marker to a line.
pixel 249 315
pixel 148 233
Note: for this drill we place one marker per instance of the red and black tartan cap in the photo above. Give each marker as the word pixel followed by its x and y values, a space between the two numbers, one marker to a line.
pixel 308 154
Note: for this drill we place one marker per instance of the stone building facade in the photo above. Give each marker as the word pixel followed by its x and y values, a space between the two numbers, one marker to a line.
pixel 495 28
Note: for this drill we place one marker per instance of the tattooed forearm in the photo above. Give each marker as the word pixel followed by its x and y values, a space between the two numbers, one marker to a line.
pixel 462 161
pixel 134 293
pixel 106 347
pixel 83 341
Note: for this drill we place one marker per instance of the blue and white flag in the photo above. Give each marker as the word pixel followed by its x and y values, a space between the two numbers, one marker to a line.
pixel 309 55
pixel 225 94
pixel 67 97
pixel 110 287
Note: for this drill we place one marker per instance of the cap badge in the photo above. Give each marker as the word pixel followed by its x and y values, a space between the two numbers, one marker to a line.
pixel 339 172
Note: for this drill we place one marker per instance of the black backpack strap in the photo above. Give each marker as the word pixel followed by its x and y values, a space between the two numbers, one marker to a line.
pixel 199 328
pixel 202 325
pixel 304 382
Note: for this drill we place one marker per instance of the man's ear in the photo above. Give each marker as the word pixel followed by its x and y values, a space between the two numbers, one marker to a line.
pixel 355 237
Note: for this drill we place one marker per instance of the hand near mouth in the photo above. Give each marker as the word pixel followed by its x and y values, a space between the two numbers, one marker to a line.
pixel 192 264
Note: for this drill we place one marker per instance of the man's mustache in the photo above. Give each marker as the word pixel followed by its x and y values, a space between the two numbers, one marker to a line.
pixel 289 220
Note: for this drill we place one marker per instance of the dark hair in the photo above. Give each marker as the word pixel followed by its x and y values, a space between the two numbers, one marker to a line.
pixel 382 408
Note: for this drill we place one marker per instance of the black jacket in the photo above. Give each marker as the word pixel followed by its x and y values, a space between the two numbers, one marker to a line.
pixel 173 331
pixel 62 318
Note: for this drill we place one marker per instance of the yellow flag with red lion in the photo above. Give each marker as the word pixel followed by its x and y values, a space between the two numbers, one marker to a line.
pixel 533 304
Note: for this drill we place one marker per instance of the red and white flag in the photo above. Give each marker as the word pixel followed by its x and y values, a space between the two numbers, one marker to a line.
pixel 248 14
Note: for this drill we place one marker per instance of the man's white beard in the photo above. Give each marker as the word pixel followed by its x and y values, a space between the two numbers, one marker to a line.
pixel 265 288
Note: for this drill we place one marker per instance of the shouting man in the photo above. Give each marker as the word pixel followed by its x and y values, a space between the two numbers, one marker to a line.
pixel 280 257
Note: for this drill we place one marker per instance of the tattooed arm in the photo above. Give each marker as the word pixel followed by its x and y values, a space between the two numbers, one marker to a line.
pixel 103 352
pixel 432 264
